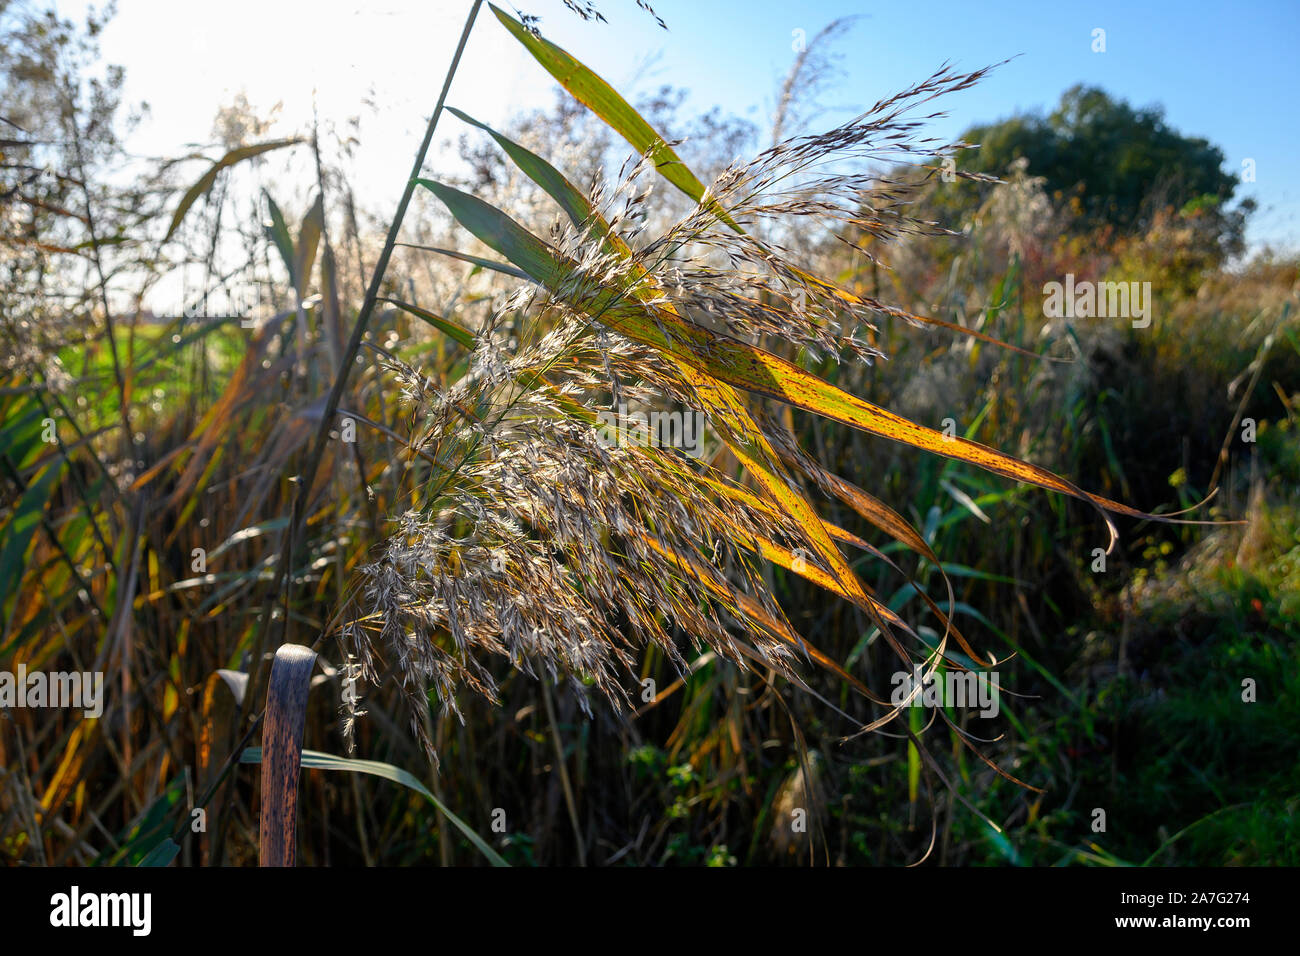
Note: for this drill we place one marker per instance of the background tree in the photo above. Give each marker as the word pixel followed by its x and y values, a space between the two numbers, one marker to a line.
pixel 61 209
pixel 1116 167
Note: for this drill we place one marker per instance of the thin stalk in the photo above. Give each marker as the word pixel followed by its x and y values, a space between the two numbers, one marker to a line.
pixel 284 579
pixel 102 279
pixel 561 766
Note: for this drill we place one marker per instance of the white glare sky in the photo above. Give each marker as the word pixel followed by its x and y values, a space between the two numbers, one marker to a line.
pixel 1223 72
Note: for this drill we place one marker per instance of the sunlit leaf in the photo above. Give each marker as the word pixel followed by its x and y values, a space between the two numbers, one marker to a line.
pixel 315 760
pixel 209 178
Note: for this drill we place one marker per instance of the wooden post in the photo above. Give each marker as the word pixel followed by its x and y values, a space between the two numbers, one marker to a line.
pixel 286 713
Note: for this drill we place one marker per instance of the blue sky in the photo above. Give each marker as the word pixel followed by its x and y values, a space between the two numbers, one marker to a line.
pixel 1227 72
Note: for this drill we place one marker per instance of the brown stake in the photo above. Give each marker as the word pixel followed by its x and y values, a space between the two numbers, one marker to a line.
pixel 286 713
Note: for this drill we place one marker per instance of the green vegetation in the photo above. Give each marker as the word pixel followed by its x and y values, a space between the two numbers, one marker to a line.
pixel 1119 167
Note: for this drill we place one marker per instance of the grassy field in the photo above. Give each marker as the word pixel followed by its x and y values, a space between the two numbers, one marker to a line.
pixel 572 653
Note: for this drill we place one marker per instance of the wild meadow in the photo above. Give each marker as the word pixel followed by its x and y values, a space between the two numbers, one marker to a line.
pixel 654 489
